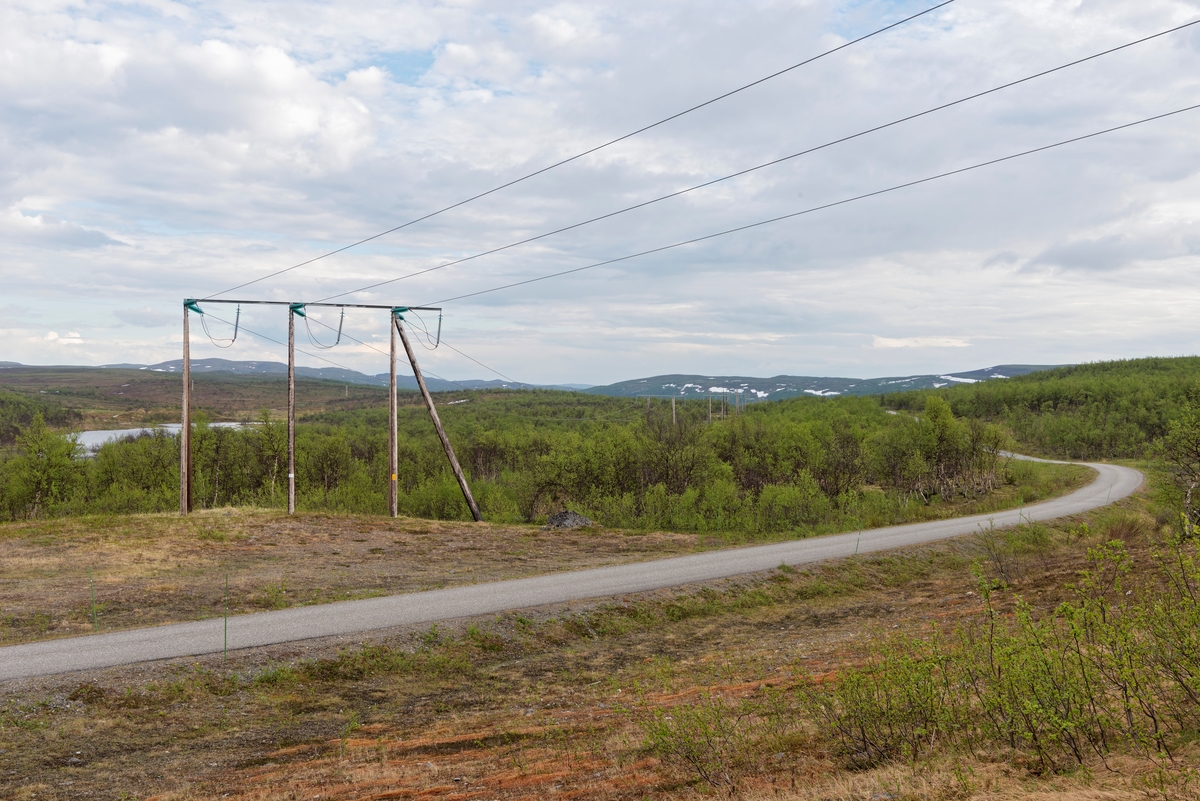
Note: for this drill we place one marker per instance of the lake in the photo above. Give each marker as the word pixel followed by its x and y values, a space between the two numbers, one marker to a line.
pixel 92 440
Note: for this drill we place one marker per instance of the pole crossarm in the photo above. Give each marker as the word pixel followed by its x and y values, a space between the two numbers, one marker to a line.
pixel 192 304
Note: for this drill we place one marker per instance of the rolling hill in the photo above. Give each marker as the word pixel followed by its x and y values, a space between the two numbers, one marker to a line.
pixel 750 388
pixel 791 386
pixel 338 374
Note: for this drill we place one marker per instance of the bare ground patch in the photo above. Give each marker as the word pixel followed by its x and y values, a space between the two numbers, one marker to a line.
pixel 550 703
pixel 154 569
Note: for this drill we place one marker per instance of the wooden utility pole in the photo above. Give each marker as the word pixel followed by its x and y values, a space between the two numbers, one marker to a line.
pixel 393 435
pixel 185 429
pixel 294 309
pixel 458 473
pixel 672 410
pixel 710 407
pixel 292 406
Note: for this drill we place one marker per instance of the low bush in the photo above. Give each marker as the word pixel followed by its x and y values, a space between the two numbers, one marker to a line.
pixel 1115 667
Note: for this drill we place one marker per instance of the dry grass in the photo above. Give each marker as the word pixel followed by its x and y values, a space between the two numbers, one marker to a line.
pixel 153 569
pixel 549 705
pixel 952 779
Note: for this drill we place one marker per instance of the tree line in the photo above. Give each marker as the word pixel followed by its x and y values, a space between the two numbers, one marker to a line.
pixel 18 411
pixel 1107 410
pixel 777 467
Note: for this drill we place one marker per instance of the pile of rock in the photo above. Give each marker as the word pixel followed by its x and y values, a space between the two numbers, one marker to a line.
pixel 568 519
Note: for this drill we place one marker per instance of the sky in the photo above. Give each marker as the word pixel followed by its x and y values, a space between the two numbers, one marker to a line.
pixel 155 151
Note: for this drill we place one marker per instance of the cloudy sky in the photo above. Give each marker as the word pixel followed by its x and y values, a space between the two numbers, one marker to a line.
pixel 152 151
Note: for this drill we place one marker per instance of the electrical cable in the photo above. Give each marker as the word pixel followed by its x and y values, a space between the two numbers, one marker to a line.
pixel 589 151
pixel 813 209
pixel 335 364
pixel 214 340
pixel 423 370
pixel 772 163
pixel 277 342
pixel 466 356
pixel 440 341
pixel 481 364
pixel 313 339
pixel 426 372
pixel 425 329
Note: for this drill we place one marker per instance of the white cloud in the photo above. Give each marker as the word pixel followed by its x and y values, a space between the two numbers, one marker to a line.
pixel 919 342
pixel 46 231
pixel 155 151
pixel 72 338
pixel 146 317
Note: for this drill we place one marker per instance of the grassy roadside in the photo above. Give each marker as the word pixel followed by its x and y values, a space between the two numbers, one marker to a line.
pixel 655 696
pixel 154 569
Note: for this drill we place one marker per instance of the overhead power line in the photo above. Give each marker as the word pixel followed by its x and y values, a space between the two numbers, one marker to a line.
pixel 425 329
pixel 276 341
pixel 418 325
pixel 481 364
pixel 772 163
pixel 589 151
pixel 822 207
pixel 344 336
pixel 382 353
pixel 601 418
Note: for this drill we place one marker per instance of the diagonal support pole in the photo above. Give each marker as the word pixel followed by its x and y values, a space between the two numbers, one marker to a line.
pixel 458 473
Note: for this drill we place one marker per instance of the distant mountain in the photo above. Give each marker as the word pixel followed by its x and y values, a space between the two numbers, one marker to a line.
pixel 279 369
pixel 475 383
pixel 791 386
pixel 265 369
pixel 694 386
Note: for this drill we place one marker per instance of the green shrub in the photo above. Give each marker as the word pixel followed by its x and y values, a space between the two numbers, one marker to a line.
pixel 1117 666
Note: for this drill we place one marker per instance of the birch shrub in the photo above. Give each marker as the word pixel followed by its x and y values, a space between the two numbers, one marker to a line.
pixel 1117 667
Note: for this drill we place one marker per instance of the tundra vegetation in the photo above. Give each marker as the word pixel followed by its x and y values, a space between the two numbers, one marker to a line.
pixel 1106 410
pixel 810 465
pixel 1042 661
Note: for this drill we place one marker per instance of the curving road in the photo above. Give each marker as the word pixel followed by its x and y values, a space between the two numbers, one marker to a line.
pixel 351 617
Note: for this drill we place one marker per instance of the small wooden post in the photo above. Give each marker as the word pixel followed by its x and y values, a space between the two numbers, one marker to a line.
pixel 185 429
pixel 458 473
pixel 291 410
pixel 393 435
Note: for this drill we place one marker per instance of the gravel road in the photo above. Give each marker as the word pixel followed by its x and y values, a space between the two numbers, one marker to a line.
pixel 352 617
